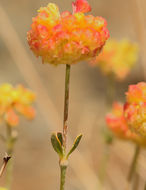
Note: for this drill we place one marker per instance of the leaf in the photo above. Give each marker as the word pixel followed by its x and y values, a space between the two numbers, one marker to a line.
pixel 59 135
pixel 56 144
pixel 76 143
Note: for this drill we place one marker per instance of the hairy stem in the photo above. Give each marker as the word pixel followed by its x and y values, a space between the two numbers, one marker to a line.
pixel 62 176
pixel 133 164
pixel 66 105
pixel 64 162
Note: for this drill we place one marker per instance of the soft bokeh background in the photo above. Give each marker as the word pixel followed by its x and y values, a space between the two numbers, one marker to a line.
pixel 36 164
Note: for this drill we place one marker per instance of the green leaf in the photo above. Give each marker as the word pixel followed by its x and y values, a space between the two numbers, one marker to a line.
pixel 56 144
pixel 2 188
pixel 76 143
pixel 60 137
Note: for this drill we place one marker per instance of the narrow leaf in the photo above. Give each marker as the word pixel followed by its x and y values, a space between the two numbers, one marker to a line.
pixel 76 143
pixel 59 135
pixel 56 144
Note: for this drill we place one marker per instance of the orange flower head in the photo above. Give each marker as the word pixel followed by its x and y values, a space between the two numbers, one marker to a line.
pixel 119 126
pixel 135 108
pixel 65 38
pixel 15 100
pixel 136 93
pixel 117 123
pixel 117 58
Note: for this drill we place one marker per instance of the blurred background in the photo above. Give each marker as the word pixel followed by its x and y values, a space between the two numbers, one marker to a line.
pixel 36 163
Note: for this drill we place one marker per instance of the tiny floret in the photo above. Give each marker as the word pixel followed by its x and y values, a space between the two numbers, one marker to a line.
pixel 65 38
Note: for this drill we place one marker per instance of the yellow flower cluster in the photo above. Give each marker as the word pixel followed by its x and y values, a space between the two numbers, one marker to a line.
pixel 15 100
pixel 135 108
pixel 65 38
pixel 117 58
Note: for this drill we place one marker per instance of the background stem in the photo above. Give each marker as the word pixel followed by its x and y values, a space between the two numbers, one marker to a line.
pixel 133 164
pixel 136 182
pixel 104 163
pixel 145 186
pixel 9 169
pixel 5 162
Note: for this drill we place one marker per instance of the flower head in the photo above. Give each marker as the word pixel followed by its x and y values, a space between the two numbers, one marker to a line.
pixel 15 100
pixel 117 58
pixel 119 126
pixel 117 123
pixel 136 93
pixel 135 108
pixel 65 38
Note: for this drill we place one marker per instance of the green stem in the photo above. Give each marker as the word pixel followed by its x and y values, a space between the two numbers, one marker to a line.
pixel 133 164
pixel 66 105
pixel 110 95
pixel 64 162
pixel 110 90
pixel 62 177
pixel 103 166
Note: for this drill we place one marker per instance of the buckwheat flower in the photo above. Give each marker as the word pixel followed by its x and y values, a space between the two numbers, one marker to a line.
pixel 14 101
pixel 135 108
pixel 67 38
pixel 136 93
pixel 117 123
pixel 119 126
pixel 117 58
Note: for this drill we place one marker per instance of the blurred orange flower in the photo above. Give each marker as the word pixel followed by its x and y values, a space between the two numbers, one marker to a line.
pixel 117 58
pixel 135 108
pixel 65 38
pixel 118 125
pixel 15 100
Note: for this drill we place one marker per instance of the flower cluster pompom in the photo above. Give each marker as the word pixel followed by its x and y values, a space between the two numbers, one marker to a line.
pixel 65 38
pixel 14 100
pixel 117 123
pixel 117 58
pixel 135 108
